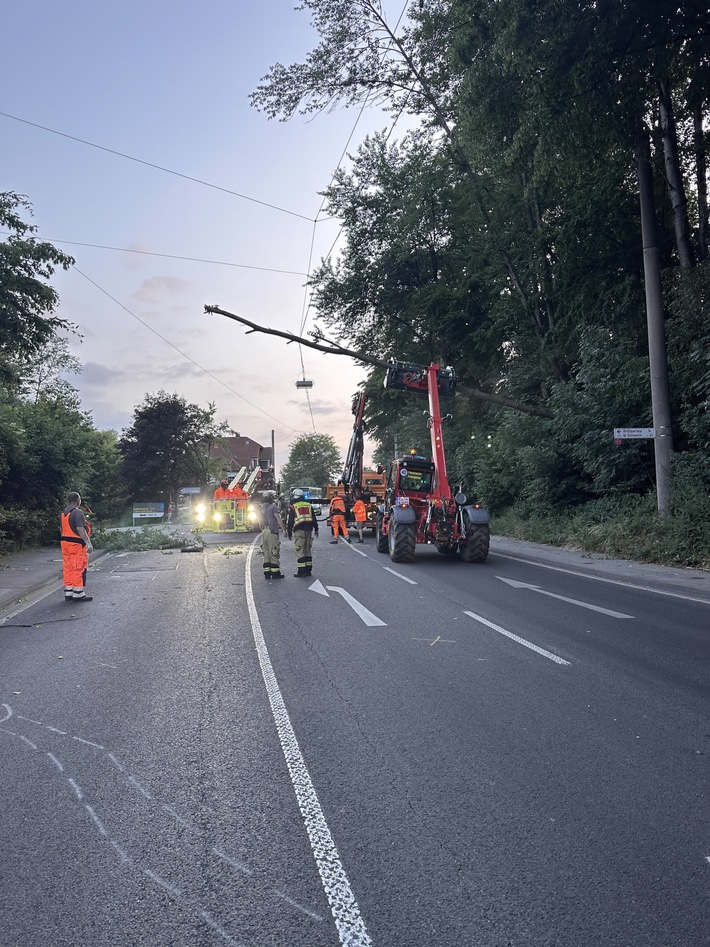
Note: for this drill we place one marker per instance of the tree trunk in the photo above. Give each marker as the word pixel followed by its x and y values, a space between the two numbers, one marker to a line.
pixel 701 179
pixel 674 177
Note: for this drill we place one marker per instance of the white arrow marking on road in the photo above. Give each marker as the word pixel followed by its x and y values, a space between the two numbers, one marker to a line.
pixel 317 587
pixel 563 598
pixel 370 620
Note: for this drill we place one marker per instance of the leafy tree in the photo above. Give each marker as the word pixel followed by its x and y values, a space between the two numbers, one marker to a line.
pixel 40 375
pixel 27 302
pixel 168 446
pixel 314 461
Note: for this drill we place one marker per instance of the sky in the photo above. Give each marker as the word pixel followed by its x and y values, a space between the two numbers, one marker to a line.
pixel 167 82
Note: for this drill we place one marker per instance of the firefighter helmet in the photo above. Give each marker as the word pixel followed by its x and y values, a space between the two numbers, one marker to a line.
pixel 298 494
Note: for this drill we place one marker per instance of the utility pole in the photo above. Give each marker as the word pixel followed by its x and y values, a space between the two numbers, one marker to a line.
pixel 658 362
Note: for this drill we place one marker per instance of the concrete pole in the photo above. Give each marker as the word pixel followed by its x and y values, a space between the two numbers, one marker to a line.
pixel 658 363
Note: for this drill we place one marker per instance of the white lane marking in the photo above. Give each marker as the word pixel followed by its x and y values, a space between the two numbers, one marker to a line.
pixel 318 587
pixel 297 906
pixel 171 812
pixel 562 598
pixel 29 743
pixel 29 720
pixel 125 859
pixel 239 866
pixel 358 551
pixel 210 921
pixel 522 641
pixel 372 621
pixel 97 821
pixel 134 782
pixel 62 733
pixel 89 743
pixel 56 762
pixel 117 762
pixel 343 906
pixel 400 576
pixel 77 789
pixel 171 889
pixel 601 578
pixel 8 712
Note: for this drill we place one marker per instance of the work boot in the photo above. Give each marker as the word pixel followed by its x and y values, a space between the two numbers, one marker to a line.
pixel 83 598
pixel 333 542
pixel 349 540
pixel 267 576
pixel 361 541
pixel 278 575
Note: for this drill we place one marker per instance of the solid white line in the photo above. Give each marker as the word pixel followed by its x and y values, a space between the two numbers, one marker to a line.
pixel 601 578
pixel 344 907
pixel 8 712
pixel 399 576
pixel 509 634
pixel 372 621
pixel 358 551
pixel 56 762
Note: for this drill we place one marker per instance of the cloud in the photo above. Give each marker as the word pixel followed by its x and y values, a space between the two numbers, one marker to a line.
pixel 317 407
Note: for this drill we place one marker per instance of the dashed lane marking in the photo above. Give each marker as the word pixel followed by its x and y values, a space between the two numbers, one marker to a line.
pixel 522 641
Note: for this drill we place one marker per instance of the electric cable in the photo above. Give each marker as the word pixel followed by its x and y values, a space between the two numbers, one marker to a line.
pixel 157 167
pixel 168 256
pixel 180 351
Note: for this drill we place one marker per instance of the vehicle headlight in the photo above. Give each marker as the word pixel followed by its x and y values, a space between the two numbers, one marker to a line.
pixel 253 515
pixel 200 516
pixel 201 510
pixel 218 517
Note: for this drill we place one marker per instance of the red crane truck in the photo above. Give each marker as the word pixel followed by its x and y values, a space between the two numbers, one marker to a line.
pixel 418 506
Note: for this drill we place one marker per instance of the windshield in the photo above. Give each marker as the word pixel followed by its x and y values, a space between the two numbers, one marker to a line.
pixel 418 481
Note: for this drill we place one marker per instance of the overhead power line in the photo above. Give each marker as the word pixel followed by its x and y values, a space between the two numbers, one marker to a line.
pixel 180 351
pixel 168 256
pixel 158 167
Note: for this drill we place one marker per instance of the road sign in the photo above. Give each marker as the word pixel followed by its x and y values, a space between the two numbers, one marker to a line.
pixel 638 433
pixel 186 490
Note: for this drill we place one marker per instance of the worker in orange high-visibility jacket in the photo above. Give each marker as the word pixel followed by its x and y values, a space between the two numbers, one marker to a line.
pixel 223 492
pixel 360 514
pixel 337 518
pixel 75 545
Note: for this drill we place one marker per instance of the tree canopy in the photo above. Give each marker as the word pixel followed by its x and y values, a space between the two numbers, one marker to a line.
pixel 313 461
pixel 501 234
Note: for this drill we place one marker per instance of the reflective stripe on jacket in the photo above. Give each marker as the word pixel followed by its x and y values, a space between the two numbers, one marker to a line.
pixel 303 514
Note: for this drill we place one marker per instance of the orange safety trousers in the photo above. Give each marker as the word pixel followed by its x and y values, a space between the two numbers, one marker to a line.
pixel 337 521
pixel 75 558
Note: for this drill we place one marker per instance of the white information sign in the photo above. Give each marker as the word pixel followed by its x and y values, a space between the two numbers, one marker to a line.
pixel 634 432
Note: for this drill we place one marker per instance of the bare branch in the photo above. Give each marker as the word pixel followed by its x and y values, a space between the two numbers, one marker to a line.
pixel 333 348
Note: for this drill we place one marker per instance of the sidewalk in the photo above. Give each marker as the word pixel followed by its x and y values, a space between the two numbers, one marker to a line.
pixel 27 575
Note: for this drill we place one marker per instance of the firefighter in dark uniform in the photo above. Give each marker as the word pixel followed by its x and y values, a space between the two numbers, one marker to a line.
pixel 302 525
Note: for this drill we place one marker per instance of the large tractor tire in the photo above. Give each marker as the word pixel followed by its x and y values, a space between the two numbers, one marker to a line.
pixel 475 549
pixel 381 539
pixel 402 539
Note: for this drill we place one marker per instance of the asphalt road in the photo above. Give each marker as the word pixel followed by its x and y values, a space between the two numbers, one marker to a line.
pixel 435 754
